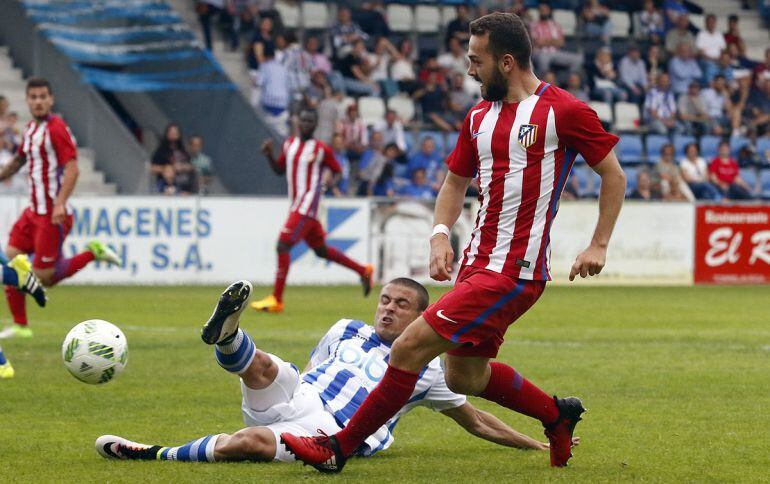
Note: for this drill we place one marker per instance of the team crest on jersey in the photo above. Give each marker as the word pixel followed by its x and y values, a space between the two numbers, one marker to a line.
pixel 527 135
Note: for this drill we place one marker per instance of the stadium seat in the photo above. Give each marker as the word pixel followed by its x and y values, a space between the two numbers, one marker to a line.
pixel 631 174
pixel 680 143
pixel 410 140
pixel 438 138
pixel 738 142
pixel 448 13
pixel 451 142
pixel 567 20
pixel 654 143
pixel 764 183
pixel 580 173
pixel 315 15
pixel 749 175
pixel 699 21
pixel 630 149
pixel 620 23
pixel 289 12
pixel 626 116
pixel 603 110
pixel 372 109
pixel 400 17
pixel 708 146
pixel 763 146
pixel 428 19
pixel 403 106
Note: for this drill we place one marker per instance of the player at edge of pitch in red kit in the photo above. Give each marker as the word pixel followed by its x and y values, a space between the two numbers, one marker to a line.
pixel 306 163
pixel 521 142
pixel 49 148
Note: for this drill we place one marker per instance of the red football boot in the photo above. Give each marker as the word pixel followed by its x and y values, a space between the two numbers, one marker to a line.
pixel 560 432
pixel 322 452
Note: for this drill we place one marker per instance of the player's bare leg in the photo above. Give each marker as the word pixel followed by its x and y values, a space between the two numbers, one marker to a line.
pixel 273 303
pixel 365 272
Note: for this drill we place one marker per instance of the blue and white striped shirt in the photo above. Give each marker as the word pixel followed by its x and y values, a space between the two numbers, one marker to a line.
pixel 349 362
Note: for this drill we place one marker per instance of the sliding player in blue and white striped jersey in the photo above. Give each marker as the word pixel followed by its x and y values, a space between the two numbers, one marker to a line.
pixel 345 365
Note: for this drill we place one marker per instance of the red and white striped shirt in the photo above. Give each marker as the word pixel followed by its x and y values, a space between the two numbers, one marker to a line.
pixel 304 162
pixel 522 154
pixel 47 147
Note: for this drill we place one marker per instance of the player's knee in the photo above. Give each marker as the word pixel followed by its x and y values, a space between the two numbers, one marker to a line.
pixel 321 251
pixel 46 278
pixel 407 353
pixel 249 444
pixel 457 383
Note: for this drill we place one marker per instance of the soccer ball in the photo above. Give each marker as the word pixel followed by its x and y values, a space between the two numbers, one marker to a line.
pixel 95 351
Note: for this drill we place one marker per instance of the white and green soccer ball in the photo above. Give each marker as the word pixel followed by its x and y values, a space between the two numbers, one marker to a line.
pixel 95 351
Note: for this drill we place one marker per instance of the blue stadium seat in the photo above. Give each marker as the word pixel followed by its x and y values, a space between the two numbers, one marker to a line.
pixel 654 143
pixel 764 182
pixel 738 142
pixel 630 149
pixel 763 146
pixel 709 146
pixel 451 141
pixel 680 143
pixel 437 136
pixel 749 175
pixel 631 174
pixel 581 174
pixel 410 140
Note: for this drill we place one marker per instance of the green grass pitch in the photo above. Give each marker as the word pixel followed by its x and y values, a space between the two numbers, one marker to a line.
pixel 675 379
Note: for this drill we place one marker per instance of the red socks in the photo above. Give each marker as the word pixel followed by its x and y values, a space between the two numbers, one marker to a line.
pixel 284 261
pixel 68 267
pixel 508 388
pixel 17 305
pixel 334 255
pixel 381 405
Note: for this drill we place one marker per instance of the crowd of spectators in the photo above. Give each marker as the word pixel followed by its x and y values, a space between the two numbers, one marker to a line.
pixel 10 137
pixel 679 80
pixel 178 167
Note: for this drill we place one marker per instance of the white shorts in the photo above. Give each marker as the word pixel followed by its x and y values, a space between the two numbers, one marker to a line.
pixel 286 405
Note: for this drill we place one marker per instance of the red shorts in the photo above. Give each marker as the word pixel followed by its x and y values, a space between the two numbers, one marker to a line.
pixel 33 233
pixel 301 227
pixel 479 308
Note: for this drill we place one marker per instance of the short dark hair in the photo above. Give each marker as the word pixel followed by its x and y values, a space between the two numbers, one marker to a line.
pixel 507 35
pixel 34 82
pixel 422 294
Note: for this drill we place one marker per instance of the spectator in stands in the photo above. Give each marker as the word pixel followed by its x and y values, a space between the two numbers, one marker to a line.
pixel 643 190
pixel 185 177
pixel 660 108
pixel 204 168
pixel 719 107
pixel 683 69
pixel 4 105
pixel 402 69
pixel 356 71
pixel 655 61
pixel 674 10
pixel 329 119
pixel 318 90
pixel 710 42
pixel 319 60
pixel 170 152
pixel 371 18
pixel 459 27
pixel 595 19
pixel 392 130
pixel 274 92
pixel 725 174
pixel 604 78
pixel 428 159
pixel 633 74
pixel 693 112
pixel 419 188
pixel 206 10
pixel 299 66
pixel 166 184
pixel 355 133
pixel 695 172
pixel 548 41
pixel 723 67
pixel 519 7
pixel 432 98
pixel 550 78
pixel 341 187
pixel 680 34
pixel 576 88
pixel 762 70
pixel 733 34
pixel 459 101
pixel 261 40
pixel 378 62
pixel 758 110
pixel 665 173
pixel 371 164
pixel 384 186
pixel 455 60
pixel 345 33
pixel 650 26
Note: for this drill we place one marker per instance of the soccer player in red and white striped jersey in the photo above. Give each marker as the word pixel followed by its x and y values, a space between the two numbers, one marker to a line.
pixel 49 148
pixel 520 142
pixel 306 162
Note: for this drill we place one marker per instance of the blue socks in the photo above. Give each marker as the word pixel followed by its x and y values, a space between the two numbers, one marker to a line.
pixel 2 357
pixel 236 355
pixel 200 450
pixel 10 277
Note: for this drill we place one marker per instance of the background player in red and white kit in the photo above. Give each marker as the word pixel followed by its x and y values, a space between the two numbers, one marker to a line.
pixel 307 163
pixel 520 142
pixel 47 145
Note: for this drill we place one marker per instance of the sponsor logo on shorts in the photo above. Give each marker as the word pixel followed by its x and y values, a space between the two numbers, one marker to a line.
pixel 440 314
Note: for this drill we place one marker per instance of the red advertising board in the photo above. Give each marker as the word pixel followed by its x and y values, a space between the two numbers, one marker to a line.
pixel 732 244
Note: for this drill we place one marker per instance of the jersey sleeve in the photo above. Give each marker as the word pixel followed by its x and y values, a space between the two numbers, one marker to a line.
pixel 63 143
pixel 330 161
pixel 327 343
pixel 581 130
pixel 462 160
pixel 440 397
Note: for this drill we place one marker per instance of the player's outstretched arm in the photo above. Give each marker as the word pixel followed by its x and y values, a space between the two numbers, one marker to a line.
pixel 488 427
pixel 267 150
pixel 449 205
pixel 611 195
pixel 12 167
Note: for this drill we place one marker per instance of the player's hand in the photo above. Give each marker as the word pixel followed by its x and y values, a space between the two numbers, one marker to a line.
pixel 590 262
pixel 59 214
pixel 267 147
pixel 441 258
